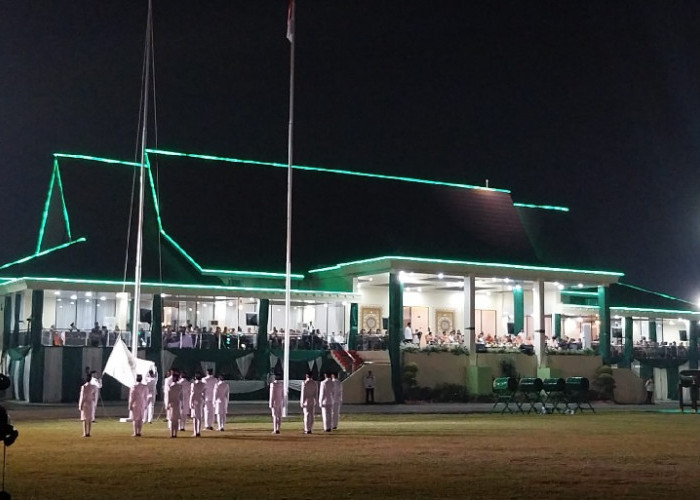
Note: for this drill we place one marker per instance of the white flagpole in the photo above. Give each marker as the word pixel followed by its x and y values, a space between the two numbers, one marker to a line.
pixel 136 315
pixel 288 270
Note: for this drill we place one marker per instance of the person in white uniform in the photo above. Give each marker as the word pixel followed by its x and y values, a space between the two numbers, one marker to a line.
pixel 337 399
pixel 185 401
pixel 209 383
pixel 97 382
pixel 166 387
pixel 309 401
pixel 221 396
pixel 325 399
pixel 138 396
pixel 151 382
pixel 369 388
pixel 86 405
pixel 276 404
pixel 173 395
pixel 197 404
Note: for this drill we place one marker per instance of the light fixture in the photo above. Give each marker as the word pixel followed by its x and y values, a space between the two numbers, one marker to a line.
pixel 440 276
pixel 74 297
pixel 580 285
pixel 87 300
pixel 57 292
pixel 560 286
pixel 88 294
pixel 371 279
pixel 103 298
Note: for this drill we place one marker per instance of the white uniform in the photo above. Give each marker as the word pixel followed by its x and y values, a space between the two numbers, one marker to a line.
pixel 221 396
pixel 210 383
pixel 197 405
pixel 407 334
pixel 98 385
pixel 185 401
pixel 86 403
pixel 325 399
pixel 173 395
pixel 337 402
pixel 276 404
pixel 309 401
pixel 138 395
pixel 150 383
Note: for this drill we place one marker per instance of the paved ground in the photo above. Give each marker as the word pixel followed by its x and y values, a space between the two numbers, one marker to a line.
pixel 20 411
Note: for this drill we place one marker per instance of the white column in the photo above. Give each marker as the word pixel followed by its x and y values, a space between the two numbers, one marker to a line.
pixel 538 317
pixel 470 313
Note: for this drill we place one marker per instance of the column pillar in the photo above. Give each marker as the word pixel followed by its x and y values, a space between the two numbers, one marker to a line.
pixel 396 334
pixel 604 318
pixel 7 323
pixel 556 326
pixel 470 314
pixel 17 306
pixel 652 330
pixel 354 322
pixel 518 310
pixel 262 346
pixel 693 345
pixel 628 352
pixel 538 313
pixel 35 391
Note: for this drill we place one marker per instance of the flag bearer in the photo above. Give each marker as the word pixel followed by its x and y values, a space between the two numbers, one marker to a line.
pixel 150 381
pixel 185 401
pixel 325 399
pixel 86 405
pixel 210 383
pixel 173 395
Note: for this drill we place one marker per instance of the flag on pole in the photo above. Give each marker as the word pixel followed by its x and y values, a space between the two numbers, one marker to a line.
pixel 290 21
pixel 123 366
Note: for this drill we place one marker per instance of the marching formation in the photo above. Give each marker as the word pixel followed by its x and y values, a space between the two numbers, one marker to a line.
pixel 205 401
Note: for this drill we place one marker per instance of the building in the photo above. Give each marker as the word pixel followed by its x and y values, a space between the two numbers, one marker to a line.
pixel 370 254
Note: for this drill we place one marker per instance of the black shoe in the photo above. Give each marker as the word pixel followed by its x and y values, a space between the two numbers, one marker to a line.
pixel 277 432
pixel 328 430
pixel 334 428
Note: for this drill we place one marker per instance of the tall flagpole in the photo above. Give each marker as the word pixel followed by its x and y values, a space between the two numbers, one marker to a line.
pixel 288 271
pixel 136 315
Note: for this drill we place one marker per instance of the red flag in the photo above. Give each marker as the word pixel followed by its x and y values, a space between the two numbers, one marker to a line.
pixel 290 21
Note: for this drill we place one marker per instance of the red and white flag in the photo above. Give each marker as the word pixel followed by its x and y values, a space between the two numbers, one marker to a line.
pixel 290 21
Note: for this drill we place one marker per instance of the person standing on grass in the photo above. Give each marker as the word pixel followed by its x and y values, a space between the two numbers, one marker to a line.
pixel 221 396
pixel 185 401
pixel 86 405
pixel 337 399
pixel 309 401
pixel 325 399
pixel 649 387
pixel 209 383
pixel 369 388
pixel 138 396
pixel 172 403
pixel 150 381
pixel 276 404
pixel 196 404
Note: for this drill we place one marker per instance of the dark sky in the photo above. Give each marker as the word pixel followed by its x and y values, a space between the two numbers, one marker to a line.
pixel 592 105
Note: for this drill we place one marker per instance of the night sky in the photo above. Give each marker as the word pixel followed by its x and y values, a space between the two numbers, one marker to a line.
pixel 591 105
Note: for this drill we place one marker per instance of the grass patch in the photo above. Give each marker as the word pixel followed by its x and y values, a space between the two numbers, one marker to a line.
pixel 616 454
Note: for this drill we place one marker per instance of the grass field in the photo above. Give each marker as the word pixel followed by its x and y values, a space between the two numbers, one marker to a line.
pixel 609 455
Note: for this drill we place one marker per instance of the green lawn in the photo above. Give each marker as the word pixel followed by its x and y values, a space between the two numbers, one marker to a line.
pixel 372 456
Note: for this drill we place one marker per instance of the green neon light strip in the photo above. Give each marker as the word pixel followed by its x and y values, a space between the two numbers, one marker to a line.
pixel 156 202
pixel 665 296
pixel 467 263
pixel 326 170
pixel 252 274
pixel 63 201
pixel 97 159
pixel 181 285
pixel 39 254
pixel 542 207
pixel 45 215
pixel 579 294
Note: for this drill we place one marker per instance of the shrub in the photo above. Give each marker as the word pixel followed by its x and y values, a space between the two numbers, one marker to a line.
pixel 604 383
